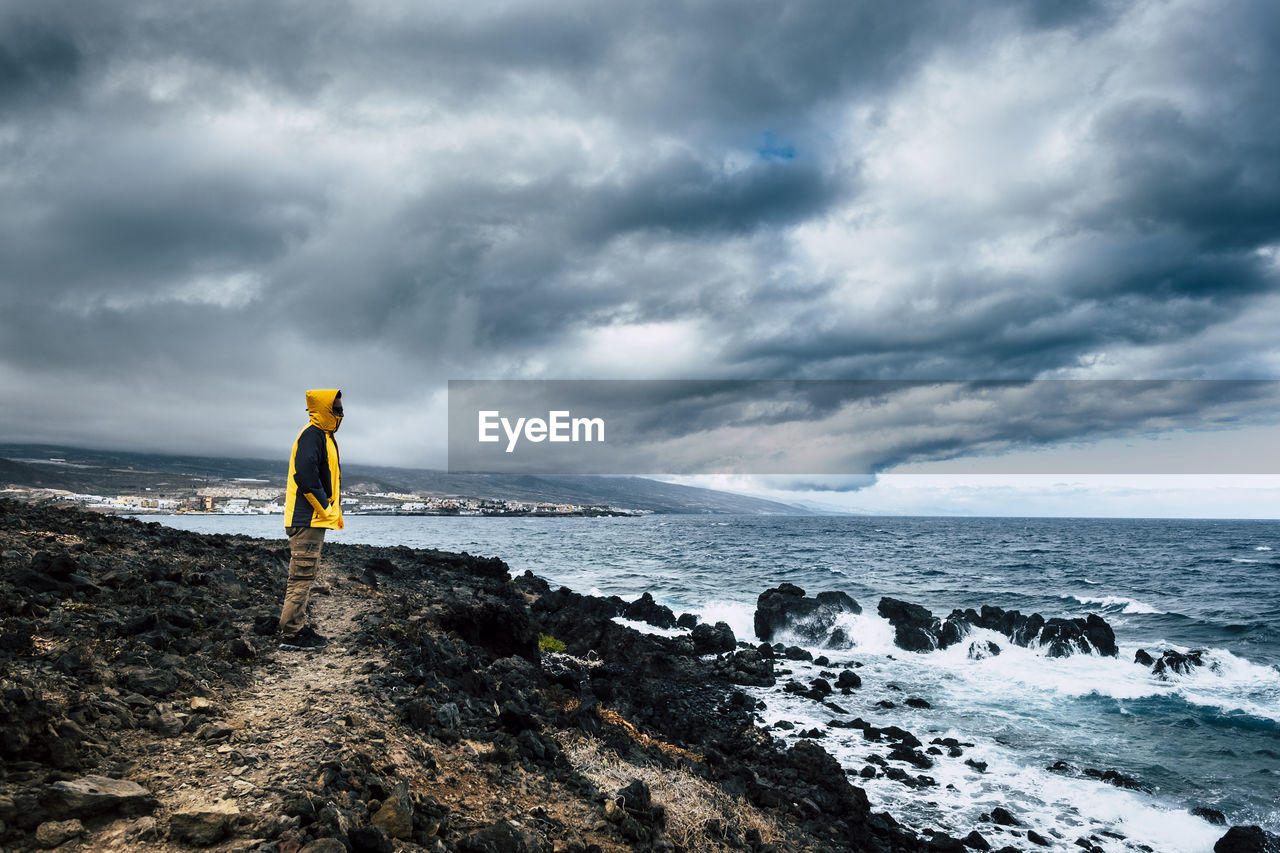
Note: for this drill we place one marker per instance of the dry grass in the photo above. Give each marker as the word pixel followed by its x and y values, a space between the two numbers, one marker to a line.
pixel 690 801
pixel 613 718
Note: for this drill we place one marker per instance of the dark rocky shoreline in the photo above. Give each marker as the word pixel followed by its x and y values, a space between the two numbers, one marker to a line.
pixel 466 705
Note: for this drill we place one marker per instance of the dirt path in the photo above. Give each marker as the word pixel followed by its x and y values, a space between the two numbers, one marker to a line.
pixel 269 741
pixel 278 741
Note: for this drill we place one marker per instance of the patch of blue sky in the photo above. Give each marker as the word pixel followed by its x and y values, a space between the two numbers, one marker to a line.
pixel 772 147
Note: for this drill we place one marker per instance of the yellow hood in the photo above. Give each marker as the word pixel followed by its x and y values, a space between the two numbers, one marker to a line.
pixel 320 408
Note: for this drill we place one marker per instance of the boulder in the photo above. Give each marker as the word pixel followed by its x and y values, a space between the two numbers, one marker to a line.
pixel 501 837
pixel 848 679
pixel 449 717
pixel 713 639
pixel 51 833
pixel 395 817
pixel 636 798
pixel 1115 777
pixel 1214 816
pixel 1001 816
pixel 1063 637
pixel 148 681
pixel 1247 839
pixel 752 668
pixel 983 650
pixel 496 619
pixel 645 609
pixel 1173 663
pixel 787 607
pixel 915 628
pixel 97 795
pixel 203 825
pixel 797 653
pixel 1100 636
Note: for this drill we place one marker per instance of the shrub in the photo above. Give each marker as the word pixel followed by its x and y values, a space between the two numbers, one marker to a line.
pixel 548 643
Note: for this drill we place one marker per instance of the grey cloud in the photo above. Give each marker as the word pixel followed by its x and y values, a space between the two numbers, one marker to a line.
pixel 1216 184
pixel 492 258
pixel 688 198
pixel 519 250
pixel 38 62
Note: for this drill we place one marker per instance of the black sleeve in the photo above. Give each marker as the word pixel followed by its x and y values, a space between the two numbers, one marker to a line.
pixel 306 465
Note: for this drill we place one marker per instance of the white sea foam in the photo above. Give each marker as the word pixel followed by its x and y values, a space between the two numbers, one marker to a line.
pixel 868 633
pixel 1226 682
pixel 740 616
pixel 1049 802
pixel 1115 602
pixel 1263 548
pixel 646 628
pixel 1026 676
pixel 1244 560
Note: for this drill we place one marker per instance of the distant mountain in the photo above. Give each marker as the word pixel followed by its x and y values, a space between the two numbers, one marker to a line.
pixel 118 472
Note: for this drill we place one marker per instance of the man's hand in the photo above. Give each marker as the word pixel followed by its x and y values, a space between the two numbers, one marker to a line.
pixel 322 510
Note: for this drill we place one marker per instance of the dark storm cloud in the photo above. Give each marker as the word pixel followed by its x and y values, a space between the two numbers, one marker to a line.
pixel 688 198
pixel 520 250
pixel 37 62
pixel 1214 181
pixel 87 234
pixel 420 193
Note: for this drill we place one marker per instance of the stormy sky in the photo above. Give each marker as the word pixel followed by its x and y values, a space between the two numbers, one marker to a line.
pixel 208 208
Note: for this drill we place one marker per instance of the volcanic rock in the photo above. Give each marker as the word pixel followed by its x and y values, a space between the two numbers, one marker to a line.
pixel 848 679
pixel 501 837
pixel 95 795
pixel 1213 816
pixel 915 628
pixel 645 609
pixel 982 650
pixel 1177 663
pixel 713 639
pixel 1001 816
pixel 204 825
pixel 395 816
pixel 787 607
pixel 1247 839
pixel 54 832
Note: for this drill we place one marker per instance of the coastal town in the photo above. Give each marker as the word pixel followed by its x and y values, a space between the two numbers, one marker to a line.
pixel 266 501
pixel 251 496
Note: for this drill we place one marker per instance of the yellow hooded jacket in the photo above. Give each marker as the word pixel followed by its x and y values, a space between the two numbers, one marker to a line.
pixel 314 470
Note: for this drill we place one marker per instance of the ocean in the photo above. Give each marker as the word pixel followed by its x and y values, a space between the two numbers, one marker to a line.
pixel 1207 739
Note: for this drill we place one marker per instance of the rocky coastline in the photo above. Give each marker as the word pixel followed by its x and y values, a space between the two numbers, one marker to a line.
pixel 144 705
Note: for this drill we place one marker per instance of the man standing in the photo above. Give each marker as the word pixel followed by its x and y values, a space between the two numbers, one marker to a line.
pixel 312 505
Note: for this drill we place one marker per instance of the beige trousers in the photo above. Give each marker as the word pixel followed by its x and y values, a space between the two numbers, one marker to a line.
pixel 304 561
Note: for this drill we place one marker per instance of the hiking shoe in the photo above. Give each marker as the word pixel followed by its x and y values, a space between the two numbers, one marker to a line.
pixel 305 640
